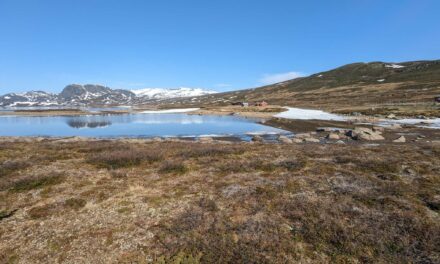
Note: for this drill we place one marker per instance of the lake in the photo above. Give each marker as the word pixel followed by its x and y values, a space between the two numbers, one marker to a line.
pixel 134 125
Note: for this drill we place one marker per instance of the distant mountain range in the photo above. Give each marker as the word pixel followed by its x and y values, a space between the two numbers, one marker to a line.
pixel 75 94
pixel 352 86
pixel 160 93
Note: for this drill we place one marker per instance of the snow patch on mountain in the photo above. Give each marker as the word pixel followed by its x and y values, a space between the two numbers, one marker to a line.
pixel 163 93
pixel 28 99
pixel 394 66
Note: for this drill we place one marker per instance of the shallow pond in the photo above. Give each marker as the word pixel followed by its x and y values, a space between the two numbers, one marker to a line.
pixel 134 125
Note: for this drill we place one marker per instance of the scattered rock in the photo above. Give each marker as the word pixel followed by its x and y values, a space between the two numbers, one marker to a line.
pixel 343 136
pixel 312 140
pixel 372 137
pixel 340 142
pixel 285 140
pixel 378 129
pixel 297 140
pixel 342 131
pixel 303 135
pixel 257 139
pixel 363 133
pixel 333 136
pixel 391 116
pixel 394 126
pixel 401 139
pixel 324 129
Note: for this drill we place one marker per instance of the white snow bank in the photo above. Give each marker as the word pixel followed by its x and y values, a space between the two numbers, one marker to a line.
pixel 427 123
pixel 307 114
pixel 395 66
pixel 170 111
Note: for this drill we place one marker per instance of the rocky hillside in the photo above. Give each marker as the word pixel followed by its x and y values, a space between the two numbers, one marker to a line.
pixel 358 85
pixel 89 94
pixel 28 98
pixel 73 94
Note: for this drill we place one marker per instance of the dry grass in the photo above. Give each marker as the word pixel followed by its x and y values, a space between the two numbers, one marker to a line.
pixel 174 202
pixel 114 159
pixel 173 167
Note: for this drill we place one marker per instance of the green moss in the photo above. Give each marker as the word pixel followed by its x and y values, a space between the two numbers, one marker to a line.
pixel 36 183
pixel 5 214
pixel 180 258
pixel 75 203
pixel 125 210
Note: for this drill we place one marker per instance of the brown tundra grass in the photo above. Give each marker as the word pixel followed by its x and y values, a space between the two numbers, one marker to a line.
pixel 176 202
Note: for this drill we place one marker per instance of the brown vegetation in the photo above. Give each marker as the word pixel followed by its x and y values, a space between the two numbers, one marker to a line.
pixel 176 202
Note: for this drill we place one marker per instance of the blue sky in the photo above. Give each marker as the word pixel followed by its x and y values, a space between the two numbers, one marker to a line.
pixel 219 44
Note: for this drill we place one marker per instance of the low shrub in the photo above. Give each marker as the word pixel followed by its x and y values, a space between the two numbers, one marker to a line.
pixel 5 214
pixel 118 174
pixel 173 167
pixel 379 166
pixel 208 204
pixel 75 203
pixel 11 166
pixel 292 165
pixel 42 211
pixel 114 159
pixel 37 182
pixel 203 150
pixel 247 166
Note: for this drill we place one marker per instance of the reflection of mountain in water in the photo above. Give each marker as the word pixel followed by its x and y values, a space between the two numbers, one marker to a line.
pixel 129 125
pixel 89 124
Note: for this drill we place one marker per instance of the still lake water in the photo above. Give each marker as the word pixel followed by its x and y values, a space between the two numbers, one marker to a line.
pixel 133 125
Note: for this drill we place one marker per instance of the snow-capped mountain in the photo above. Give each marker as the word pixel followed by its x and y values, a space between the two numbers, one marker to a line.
pixel 89 94
pixel 161 93
pixel 31 98
pixel 97 94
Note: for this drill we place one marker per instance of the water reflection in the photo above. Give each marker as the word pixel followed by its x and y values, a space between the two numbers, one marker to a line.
pixel 86 124
pixel 131 125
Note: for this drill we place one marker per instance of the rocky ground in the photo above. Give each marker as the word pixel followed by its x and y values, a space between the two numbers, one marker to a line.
pixel 354 132
pixel 369 199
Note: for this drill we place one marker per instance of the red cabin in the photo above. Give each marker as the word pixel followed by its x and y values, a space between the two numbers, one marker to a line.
pixel 262 103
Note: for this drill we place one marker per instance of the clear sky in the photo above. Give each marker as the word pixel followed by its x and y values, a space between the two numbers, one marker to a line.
pixel 216 44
